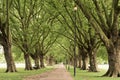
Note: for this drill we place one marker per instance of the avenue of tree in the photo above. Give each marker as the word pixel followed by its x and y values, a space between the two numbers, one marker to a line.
pixel 51 30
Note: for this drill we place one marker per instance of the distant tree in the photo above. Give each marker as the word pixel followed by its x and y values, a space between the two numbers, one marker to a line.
pixel 44 46
pixel 77 26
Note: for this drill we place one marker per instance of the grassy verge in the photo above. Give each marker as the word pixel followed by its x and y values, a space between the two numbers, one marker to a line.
pixel 85 75
pixel 20 74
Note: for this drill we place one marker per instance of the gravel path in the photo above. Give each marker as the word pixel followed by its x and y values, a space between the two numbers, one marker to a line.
pixel 59 73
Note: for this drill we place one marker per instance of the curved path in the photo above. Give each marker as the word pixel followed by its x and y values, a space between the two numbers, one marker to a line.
pixel 59 73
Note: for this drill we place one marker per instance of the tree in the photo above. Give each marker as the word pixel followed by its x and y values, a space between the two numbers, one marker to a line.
pixel 23 12
pixel 45 44
pixel 86 37
pixel 67 46
pixel 104 18
pixel 5 35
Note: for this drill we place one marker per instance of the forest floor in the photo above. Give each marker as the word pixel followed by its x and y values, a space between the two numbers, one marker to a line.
pixel 59 73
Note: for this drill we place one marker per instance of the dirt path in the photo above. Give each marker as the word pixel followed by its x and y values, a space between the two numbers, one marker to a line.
pixel 59 73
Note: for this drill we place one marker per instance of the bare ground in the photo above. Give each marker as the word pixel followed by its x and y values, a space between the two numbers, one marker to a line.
pixel 59 73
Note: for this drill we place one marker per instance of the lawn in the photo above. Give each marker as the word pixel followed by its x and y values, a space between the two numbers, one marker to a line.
pixel 85 75
pixel 20 74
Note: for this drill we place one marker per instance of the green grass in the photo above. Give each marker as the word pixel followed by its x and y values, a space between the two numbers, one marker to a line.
pixel 20 74
pixel 85 75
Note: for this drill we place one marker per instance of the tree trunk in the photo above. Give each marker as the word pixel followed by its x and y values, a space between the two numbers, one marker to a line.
pixel 84 61
pixel 114 60
pixel 71 61
pixel 5 39
pixel 35 57
pixel 37 65
pixel 9 59
pixel 80 63
pixel 79 60
pixel 28 65
pixel 93 62
pixel 42 61
pixel 50 61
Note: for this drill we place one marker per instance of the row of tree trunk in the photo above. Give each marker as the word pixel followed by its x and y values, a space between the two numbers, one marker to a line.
pixel 85 60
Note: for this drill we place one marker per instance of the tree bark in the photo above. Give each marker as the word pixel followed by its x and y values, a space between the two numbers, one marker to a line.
pixel 9 59
pixel 93 62
pixel 42 61
pixel 36 58
pixel 113 60
pixel 85 61
pixel 50 61
pixel 80 61
pixel 79 58
pixel 37 65
pixel 28 65
pixel 6 43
